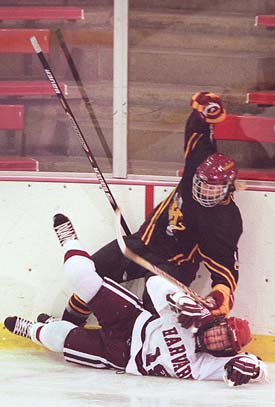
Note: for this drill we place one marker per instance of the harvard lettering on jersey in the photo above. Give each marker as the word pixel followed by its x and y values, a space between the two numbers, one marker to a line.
pixel 138 341
pixel 162 347
pixel 158 354
pixel 158 349
pixel 195 233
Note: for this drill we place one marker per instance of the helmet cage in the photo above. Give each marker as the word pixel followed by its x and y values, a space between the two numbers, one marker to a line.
pixel 219 338
pixel 207 194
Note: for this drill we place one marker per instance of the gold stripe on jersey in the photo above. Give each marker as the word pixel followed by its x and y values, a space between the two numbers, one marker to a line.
pixel 180 258
pixel 219 269
pixel 83 310
pixel 146 237
pixel 192 142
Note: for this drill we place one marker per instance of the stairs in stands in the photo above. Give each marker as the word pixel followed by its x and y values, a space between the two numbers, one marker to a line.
pixel 184 46
pixel 176 47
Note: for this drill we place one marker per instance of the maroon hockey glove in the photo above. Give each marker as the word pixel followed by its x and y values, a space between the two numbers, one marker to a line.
pixel 241 368
pixel 190 313
pixel 222 300
pixel 209 106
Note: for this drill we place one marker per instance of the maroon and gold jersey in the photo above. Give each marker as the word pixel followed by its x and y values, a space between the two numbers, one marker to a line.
pixel 188 234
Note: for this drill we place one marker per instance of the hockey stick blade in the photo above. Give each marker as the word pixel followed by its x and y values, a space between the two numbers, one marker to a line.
pixel 151 267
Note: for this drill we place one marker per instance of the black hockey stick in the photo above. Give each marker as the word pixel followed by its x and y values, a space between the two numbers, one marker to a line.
pixel 76 128
pixel 83 93
pixel 153 268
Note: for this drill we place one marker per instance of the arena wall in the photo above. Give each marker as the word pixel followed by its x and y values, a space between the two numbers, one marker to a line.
pixel 31 257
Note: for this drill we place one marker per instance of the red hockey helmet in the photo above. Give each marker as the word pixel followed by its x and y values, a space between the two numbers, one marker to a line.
pixel 223 336
pixel 239 333
pixel 213 178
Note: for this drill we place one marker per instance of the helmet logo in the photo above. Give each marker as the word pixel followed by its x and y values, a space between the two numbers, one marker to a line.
pixel 228 166
pixel 211 109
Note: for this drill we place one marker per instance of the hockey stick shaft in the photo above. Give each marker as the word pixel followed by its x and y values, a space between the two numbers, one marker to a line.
pixel 76 128
pixel 151 267
pixel 83 92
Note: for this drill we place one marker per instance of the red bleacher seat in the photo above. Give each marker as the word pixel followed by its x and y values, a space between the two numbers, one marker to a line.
pixel 261 98
pixel 246 128
pixel 18 164
pixel 248 174
pixel 11 117
pixel 265 20
pixel 251 129
pixel 29 88
pixel 41 13
pixel 17 40
pixel 256 175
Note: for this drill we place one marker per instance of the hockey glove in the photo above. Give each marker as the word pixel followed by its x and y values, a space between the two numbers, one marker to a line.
pixel 240 369
pixel 190 313
pixel 221 298
pixel 209 106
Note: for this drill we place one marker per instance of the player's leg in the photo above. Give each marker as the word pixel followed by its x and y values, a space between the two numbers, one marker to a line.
pixel 51 335
pixel 79 345
pixel 108 261
pixel 106 347
pixel 99 296
pixel 116 310
pixel 96 292
pixel 75 259
pixel 82 346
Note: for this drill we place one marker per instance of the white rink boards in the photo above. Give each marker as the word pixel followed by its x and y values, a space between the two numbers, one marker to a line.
pixel 31 258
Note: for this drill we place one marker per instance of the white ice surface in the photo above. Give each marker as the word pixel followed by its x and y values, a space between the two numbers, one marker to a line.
pixel 33 378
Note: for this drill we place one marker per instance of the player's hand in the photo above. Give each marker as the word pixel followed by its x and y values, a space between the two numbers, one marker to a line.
pixel 221 300
pixel 240 369
pixel 209 106
pixel 190 313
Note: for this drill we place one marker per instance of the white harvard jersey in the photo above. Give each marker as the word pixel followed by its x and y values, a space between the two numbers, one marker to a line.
pixel 162 347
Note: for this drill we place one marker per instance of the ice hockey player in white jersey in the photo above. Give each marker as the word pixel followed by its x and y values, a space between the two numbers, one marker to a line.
pixel 182 339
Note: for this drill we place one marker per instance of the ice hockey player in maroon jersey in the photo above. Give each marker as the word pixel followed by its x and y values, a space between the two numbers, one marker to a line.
pixel 198 223
pixel 182 339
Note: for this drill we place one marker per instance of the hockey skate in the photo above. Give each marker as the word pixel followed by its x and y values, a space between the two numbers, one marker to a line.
pixel 18 326
pixel 45 318
pixel 63 228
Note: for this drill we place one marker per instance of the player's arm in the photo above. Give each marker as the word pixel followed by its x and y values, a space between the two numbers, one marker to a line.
pixel 207 109
pixel 224 282
pixel 224 275
pixel 234 370
pixel 190 314
pixel 158 288
pixel 242 368
pixel 219 253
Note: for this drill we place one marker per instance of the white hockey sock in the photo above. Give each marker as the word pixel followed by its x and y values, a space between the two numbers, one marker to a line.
pixel 34 329
pixel 80 273
pixel 51 335
pixel 73 244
